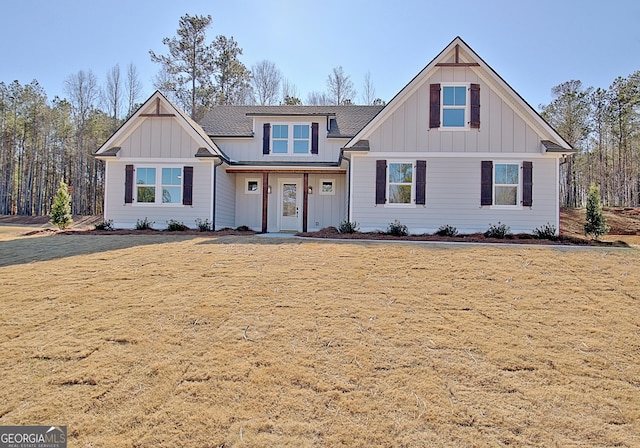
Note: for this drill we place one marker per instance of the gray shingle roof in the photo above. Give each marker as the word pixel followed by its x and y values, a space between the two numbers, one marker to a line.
pixel 237 121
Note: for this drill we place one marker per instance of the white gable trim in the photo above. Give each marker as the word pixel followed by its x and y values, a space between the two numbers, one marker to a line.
pixel 486 73
pixel 192 128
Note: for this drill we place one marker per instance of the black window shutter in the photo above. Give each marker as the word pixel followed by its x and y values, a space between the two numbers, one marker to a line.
pixel 266 138
pixel 421 182
pixel 475 106
pixel 381 181
pixel 187 185
pixel 527 184
pixel 434 106
pixel 314 138
pixel 128 184
pixel 486 180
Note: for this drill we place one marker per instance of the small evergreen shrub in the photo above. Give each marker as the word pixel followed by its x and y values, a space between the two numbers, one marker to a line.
pixel 61 208
pixel 595 225
pixel 203 226
pixel 396 228
pixel 499 230
pixel 104 225
pixel 348 227
pixel 545 232
pixel 243 229
pixel 144 224
pixel 176 226
pixel 447 230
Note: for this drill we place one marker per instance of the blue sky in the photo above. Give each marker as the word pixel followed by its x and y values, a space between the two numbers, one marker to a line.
pixel 533 45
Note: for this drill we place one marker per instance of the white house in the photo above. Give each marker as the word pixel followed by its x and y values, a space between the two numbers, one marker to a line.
pixel 457 146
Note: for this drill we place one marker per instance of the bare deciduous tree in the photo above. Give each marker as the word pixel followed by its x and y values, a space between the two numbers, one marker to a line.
pixel 134 88
pixel 112 94
pixel 266 82
pixel 340 87
pixel 368 91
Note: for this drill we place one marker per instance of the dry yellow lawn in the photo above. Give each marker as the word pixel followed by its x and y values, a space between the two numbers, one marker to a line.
pixel 188 341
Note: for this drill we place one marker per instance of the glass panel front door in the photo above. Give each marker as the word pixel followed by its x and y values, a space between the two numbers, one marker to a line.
pixel 289 206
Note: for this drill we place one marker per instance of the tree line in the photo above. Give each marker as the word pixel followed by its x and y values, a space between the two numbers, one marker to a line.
pixel 44 142
pixel 603 126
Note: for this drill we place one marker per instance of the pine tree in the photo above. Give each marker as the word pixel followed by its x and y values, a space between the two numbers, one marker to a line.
pixel 61 208
pixel 595 224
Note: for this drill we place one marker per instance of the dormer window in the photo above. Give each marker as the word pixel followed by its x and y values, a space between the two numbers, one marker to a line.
pixel 290 138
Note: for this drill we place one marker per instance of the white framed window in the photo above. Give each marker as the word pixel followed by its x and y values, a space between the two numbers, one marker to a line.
pixel 506 184
pixel 400 183
pixel 252 186
pixel 158 185
pixel 455 106
pixel 291 138
pixel 328 186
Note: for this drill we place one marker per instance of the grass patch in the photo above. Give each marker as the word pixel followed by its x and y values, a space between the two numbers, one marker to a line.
pixel 155 340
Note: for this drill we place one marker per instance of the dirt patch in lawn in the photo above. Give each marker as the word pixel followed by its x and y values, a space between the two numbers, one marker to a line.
pixel 171 340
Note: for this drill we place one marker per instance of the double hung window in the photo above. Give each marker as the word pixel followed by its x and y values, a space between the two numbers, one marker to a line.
pixel 454 106
pixel 290 138
pixel 165 188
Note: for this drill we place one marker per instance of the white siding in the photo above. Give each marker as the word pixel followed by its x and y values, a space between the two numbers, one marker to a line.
pixel 225 199
pixel 502 129
pixel 162 138
pixel 453 197
pixel 250 149
pixel 248 205
pixel 323 210
pixel 125 216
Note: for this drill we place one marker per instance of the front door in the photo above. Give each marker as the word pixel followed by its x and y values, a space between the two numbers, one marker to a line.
pixel 290 209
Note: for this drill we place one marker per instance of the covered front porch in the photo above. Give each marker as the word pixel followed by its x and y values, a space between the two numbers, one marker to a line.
pixel 293 200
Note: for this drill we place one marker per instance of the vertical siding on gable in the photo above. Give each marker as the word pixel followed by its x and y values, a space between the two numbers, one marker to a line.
pixel 502 130
pixel 159 138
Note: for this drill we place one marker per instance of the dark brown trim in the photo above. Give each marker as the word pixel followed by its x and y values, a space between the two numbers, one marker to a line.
pixel 381 181
pixel 257 171
pixel 475 106
pixel 421 182
pixel 305 200
pixel 434 106
pixel 265 200
pixel 457 64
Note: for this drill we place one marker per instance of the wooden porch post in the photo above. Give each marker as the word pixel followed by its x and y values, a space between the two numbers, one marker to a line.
pixel 305 200
pixel 265 200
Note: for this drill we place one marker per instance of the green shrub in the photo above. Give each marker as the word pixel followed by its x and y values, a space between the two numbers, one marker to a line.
pixel 447 230
pixel 243 229
pixel 545 232
pixel 144 224
pixel 176 226
pixel 595 224
pixel 104 225
pixel 61 208
pixel 498 231
pixel 397 229
pixel 204 226
pixel 348 227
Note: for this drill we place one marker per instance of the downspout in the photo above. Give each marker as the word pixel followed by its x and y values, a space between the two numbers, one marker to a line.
pixel 215 193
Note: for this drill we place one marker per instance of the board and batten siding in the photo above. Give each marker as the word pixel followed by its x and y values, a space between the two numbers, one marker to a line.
pixel 502 128
pixel 161 138
pixel 453 196
pixel 125 216
pixel 249 149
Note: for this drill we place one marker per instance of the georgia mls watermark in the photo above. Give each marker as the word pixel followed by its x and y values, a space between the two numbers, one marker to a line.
pixel 33 437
